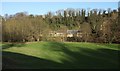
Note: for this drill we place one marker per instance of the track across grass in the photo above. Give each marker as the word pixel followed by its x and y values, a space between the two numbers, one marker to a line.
pixel 58 55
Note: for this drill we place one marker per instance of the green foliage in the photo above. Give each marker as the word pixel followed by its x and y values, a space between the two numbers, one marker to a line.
pixel 102 26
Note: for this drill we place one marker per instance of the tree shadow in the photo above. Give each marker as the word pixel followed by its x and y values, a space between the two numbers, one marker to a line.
pixel 83 58
pixel 9 45
pixel 92 59
pixel 12 60
pixel 87 58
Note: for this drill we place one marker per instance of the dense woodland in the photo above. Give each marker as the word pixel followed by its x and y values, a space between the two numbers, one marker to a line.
pixel 98 25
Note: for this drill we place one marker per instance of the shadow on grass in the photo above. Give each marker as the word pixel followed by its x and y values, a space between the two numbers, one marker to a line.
pixel 88 58
pixel 83 58
pixel 20 61
pixel 9 45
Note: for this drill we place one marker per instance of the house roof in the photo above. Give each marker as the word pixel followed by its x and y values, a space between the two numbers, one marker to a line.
pixel 68 31
pixel 72 31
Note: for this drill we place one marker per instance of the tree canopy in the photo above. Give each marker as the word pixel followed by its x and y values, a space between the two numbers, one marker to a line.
pixel 98 25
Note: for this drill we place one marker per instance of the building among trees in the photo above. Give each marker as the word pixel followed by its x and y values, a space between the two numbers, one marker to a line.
pixel 65 25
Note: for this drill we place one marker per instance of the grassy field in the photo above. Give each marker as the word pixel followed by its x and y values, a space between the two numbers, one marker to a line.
pixel 54 55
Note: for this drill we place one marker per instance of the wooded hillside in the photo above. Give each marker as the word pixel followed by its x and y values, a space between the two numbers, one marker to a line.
pixel 97 25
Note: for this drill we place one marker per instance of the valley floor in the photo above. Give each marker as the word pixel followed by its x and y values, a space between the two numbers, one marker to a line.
pixel 56 55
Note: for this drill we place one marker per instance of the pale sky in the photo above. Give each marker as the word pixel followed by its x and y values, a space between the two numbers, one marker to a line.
pixel 38 8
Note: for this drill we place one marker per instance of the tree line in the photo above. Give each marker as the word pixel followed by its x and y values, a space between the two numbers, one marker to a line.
pixel 97 25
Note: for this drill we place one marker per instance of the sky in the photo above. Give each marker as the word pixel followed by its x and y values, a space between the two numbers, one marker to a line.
pixel 59 0
pixel 40 8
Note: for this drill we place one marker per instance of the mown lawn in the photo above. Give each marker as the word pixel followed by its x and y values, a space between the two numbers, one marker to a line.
pixel 54 55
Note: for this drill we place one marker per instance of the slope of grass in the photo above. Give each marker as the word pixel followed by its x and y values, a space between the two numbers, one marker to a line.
pixel 60 55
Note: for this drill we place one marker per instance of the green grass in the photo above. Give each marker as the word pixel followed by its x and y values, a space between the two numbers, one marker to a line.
pixel 54 55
